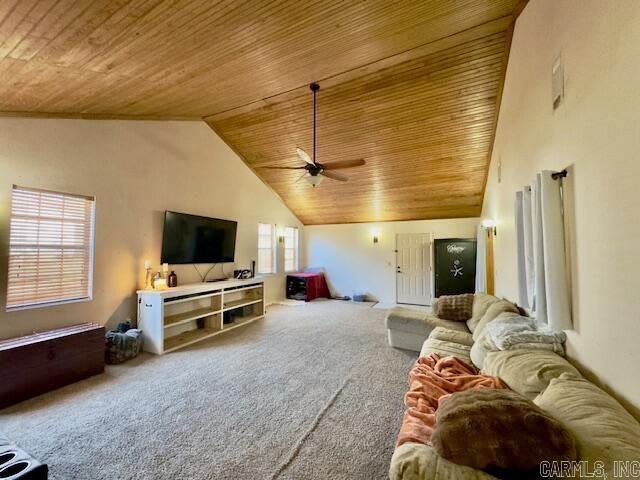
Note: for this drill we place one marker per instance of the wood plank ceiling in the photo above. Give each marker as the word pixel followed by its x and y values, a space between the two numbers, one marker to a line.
pixel 411 86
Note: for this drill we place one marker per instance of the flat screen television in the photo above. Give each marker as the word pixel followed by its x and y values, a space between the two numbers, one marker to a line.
pixel 194 239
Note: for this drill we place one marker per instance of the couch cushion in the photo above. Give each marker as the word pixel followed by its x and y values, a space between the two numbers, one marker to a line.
pixel 405 340
pixel 481 303
pixel 414 461
pixel 455 307
pixel 448 335
pixel 449 324
pixel 500 429
pixel 603 429
pixel 407 320
pixel 495 309
pixel 527 372
pixel 446 349
pixel 416 321
pixel 480 348
pixel 434 306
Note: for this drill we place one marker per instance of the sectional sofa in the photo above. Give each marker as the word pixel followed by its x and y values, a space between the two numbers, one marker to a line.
pixel 604 431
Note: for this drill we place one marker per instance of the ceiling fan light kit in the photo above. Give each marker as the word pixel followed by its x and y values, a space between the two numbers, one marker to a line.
pixel 314 180
pixel 317 171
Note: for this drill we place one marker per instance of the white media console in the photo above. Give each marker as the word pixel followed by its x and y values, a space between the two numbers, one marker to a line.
pixel 177 317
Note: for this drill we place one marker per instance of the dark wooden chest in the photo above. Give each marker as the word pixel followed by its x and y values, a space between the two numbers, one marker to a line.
pixel 38 363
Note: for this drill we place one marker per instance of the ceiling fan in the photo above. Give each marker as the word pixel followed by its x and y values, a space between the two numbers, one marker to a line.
pixel 315 171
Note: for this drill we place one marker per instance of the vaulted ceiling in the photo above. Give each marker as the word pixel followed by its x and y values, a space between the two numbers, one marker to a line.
pixel 411 86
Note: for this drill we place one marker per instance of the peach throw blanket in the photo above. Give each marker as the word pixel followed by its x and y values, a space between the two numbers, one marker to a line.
pixel 432 379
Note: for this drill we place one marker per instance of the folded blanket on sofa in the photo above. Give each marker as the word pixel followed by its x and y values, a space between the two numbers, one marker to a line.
pixel 431 379
pixel 516 332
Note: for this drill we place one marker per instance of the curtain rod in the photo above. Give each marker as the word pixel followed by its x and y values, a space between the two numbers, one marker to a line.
pixel 560 174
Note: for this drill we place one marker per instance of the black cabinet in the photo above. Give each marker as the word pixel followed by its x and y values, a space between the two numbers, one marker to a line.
pixel 296 288
pixel 455 266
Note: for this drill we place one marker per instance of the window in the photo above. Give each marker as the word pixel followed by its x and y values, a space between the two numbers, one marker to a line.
pixel 290 249
pixel 266 248
pixel 50 248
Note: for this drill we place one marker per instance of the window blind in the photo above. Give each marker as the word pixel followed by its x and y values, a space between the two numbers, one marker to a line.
pixel 50 247
pixel 266 248
pixel 290 249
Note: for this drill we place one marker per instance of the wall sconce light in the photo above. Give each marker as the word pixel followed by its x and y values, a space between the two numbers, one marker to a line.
pixel 280 234
pixel 375 234
pixel 490 226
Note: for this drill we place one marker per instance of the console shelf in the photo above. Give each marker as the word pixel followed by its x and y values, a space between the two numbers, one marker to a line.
pixel 239 303
pixel 189 298
pixel 187 338
pixel 179 318
pixel 240 322
pixel 174 318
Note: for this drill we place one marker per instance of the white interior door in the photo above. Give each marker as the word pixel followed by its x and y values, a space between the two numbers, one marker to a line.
pixel 413 268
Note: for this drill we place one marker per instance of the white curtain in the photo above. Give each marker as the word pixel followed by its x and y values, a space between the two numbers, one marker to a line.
pixel 555 261
pixel 527 228
pixel 539 287
pixel 522 271
pixel 481 264
pixel 542 272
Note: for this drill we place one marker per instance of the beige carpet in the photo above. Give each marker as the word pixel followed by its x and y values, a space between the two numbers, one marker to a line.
pixel 310 392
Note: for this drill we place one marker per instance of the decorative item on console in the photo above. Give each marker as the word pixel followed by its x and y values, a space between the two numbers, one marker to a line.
pixel 158 282
pixel 245 272
pixel 242 274
pixel 172 279
pixel 147 280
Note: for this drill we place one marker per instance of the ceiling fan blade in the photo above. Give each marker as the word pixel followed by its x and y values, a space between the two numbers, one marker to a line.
pixel 284 168
pixel 303 175
pixel 344 164
pixel 304 156
pixel 334 176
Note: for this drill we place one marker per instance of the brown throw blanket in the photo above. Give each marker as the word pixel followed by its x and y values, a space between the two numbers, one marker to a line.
pixel 431 379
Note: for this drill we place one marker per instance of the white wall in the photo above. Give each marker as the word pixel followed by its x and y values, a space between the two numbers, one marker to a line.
pixel 136 170
pixel 354 263
pixel 596 132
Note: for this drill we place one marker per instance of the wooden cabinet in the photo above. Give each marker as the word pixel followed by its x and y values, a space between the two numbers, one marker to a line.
pixel 174 318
